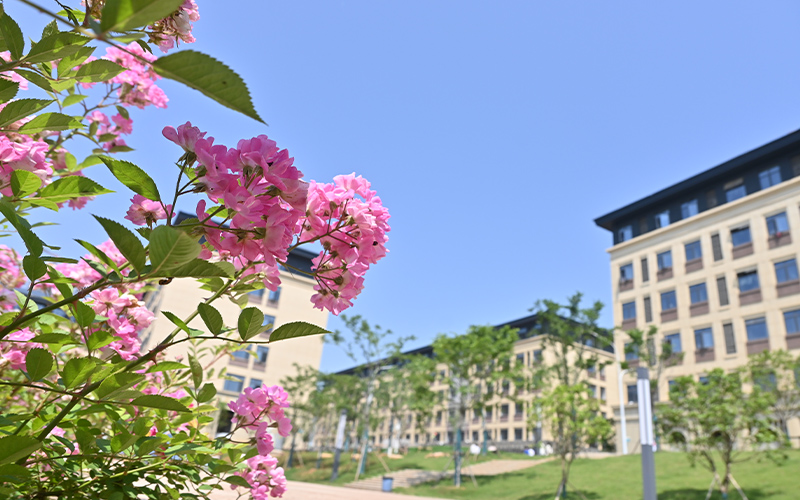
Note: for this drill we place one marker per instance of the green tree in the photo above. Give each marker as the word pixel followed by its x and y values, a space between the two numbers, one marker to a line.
pixel 645 344
pixel 778 374
pixel 301 386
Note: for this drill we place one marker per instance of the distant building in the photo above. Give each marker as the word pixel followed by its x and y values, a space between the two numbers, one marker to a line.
pixel 712 262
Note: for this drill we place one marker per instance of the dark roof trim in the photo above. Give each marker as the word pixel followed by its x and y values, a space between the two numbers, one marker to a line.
pixel 693 183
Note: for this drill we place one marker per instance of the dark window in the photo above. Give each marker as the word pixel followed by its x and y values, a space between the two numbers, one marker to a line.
pixel 769 177
pixel 519 409
pixel 225 423
pixel 748 281
pixel 777 224
pixel 689 209
pixel 629 310
pixel 711 197
pixel 716 246
pixel 233 383
pixel 668 301
pixel 693 250
pixel 664 260
pixel 703 338
pixel 674 342
pixel 517 434
pixel 786 270
pixel 756 329
pixel 735 193
pixel 274 297
pixel 537 356
pixel 648 310
pixel 722 289
pixel 643 225
pixel 242 354
pixel 631 352
pixel 626 273
pixel 792 319
pixel 255 383
pixel 662 219
pixel 503 434
pixel 633 394
pixel 730 340
pixel 625 233
pixel 703 380
pixel 645 270
pixel 262 352
pixel 740 236
pixel 698 293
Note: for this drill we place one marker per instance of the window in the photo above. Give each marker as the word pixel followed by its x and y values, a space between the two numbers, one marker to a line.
pixel 233 383
pixel 274 297
pixel 716 246
pixel 674 342
pixel 740 236
pixel 703 339
pixel 722 289
pixel 519 409
pixel 792 319
pixel 631 352
pixel 703 380
pixel 537 356
pixel 756 329
pixel 689 209
pixel 645 270
pixel 242 354
pixel 269 320
pixel 748 280
pixel 518 435
pixel 625 233
pixel 503 434
pixel 786 270
pixel 664 260
pixel 593 390
pixel 711 197
pixel 648 310
pixel 698 293
pixel 255 295
pixel 626 273
pixel 255 383
pixel 662 219
pixel 262 352
pixel 693 251
pixel 668 301
pixel 629 311
pixel 225 423
pixel 730 339
pixel 769 177
pixel 603 394
pixel 777 224
pixel 735 193
pixel 633 395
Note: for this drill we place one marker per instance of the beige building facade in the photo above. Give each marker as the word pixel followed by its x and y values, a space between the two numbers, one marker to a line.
pixel 712 263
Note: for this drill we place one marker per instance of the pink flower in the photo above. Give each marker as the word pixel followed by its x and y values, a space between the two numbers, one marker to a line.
pixel 144 211
pixel 186 136
pixel 176 28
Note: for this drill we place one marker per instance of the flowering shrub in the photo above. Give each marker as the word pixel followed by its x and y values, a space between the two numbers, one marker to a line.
pixel 87 412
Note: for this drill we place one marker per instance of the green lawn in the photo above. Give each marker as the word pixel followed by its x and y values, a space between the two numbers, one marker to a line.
pixel 620 478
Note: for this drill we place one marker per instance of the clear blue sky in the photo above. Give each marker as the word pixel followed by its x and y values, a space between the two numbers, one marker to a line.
pixel 494 132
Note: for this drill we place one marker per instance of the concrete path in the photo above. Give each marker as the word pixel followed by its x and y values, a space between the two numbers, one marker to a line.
pixel 309 491
pixel 496 467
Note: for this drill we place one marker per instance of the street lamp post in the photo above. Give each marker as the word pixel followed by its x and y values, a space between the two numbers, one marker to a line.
pixel 622 417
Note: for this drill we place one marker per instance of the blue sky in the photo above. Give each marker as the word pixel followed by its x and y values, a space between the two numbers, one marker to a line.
pixel 495 133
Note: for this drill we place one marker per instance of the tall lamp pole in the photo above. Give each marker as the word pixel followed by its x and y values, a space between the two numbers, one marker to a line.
pixel 646 433
pixel 622 417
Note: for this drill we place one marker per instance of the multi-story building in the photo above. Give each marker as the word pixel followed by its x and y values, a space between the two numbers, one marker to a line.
pixel 712 263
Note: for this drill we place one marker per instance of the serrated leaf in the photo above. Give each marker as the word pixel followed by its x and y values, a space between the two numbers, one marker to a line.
pixel 51 122
pixel 99 339
pixel 73 99
pixel 32 242
pixel 117 383
pixel 24 183
pixel 133 177
pixel 160 402
pixel 84 314
pixel 294 330
pixel 67 65
pixel 60 85
pixel 19 109
pixel 211 77
pixel 98 71
pixel 73 186
pixel 211 317
pixel 38 363
pixel 166 366
pixel 176 321
pixel 34 78
pixel 197 371
pixel 250 323
pixel 199 268
pixel 53 338
pixel 8 90
pixel 34 267
pixel 125 15
pixel 77 371
pixel 101 255
pixel 12 448
pixel 50 29
pixel 55 47
pixel 171 248
pixel 127 242
pixel 12 36
pixel 206 393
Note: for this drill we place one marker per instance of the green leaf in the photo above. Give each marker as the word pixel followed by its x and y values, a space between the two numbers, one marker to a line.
pixel 238 481
pixel 125 15
pixel 32 242
pixel 55 47
pixel 50 29
pixel 12 36
pixel 52 122
pixel 133 177
pixel 171 248
pixel 101 255
pixel 77 371
pixel 211 317
pixel 177 321
pixel 60 85
pixel 197 371
pixel 250 323
pixel 84 314
pixel 99 339
pixel 12 448
pixel 206 393
pixel 35 78
pixel 74 186
pixel 160 402
pixel 73 99
pixel 8 90
pixel 199 268
pixel 117 383
pixel 19 109
pixel 166 366
pixel 53 338
pixel 127 242
pixel 68 64
pixel 34 267
pixel 211 77
pixel 13 473
pixel 98 71
pixel 24 183
pixel 38 363
pixel 294 330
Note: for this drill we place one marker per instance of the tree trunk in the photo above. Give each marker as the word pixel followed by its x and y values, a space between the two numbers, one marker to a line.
pixel 457 461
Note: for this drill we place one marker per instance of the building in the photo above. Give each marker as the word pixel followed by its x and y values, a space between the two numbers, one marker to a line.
pixel 712 263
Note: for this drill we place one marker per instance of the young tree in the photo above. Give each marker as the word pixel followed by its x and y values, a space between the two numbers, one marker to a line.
pixel 778 374
pixel 302 385
pixel 718 424
pixel 645 345
pixel 475 362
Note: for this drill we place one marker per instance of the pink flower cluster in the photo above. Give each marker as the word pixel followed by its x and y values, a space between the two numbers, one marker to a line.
pixel 23 153
pixel 137 82
pixel 127 316
pixel 121 126
pixel 15 350
pixel 144 211
pixel 11 75
pixel 266 479
pixel 11 276
pixel 176 28
pixel 360 223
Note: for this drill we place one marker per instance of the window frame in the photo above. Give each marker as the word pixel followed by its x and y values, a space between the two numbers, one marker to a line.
pixel 670 339
pixel 698 287
pixel 738 231
pixel 695 245
pixel 761 320
pixel 240 379
pixel 770 174
pixel 772 224
pixel 674 300
pixel 746 274
pixel 707 338
pixel 791 277
pixel 690 209
pixel 660 260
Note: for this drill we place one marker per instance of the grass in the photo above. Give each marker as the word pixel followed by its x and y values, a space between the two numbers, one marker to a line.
pixel 620 478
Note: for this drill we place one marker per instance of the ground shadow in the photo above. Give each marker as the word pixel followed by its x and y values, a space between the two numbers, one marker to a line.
pixel 571 495
pixel 695 493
